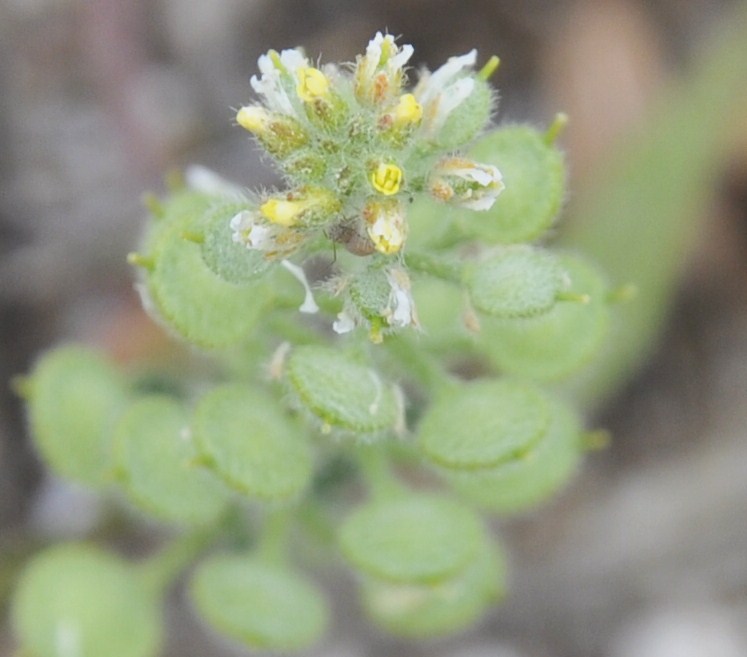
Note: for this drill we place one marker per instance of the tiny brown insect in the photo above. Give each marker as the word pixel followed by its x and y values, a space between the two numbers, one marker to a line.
pixel 349 234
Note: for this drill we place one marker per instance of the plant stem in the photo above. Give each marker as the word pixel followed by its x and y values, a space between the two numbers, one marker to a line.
pixel 160 569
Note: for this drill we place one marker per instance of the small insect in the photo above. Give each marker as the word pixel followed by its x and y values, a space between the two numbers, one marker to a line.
pixel 349 234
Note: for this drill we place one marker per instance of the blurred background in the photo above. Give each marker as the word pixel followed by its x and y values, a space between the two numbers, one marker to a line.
pixel 646 554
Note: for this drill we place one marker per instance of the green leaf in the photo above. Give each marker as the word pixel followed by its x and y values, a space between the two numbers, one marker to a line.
pixel 421 538
pixel 516 281
pixel 230 261
pixel 340 392
pixel 248 441
pixel 191 299
pixel 534 174
pixel 264 606
pixel 482 424
pixel 556 343
pixel 156 460
pixel 429 611
pixel 75 397
pixel 75 599
pixel 532 479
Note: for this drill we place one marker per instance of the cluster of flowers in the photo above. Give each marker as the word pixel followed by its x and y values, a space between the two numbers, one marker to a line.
pixel 355 145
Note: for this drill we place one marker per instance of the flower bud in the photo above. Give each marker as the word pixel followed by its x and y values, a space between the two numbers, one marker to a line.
pixel 442 91
pixel 386 178
pixel 279 134
pixel 380 72
pixel 465 183
pixel 386 225
pixel 306 206
pixel 254 232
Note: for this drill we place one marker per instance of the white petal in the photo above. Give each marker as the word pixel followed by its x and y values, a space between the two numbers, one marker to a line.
pixel 202 179
pixel 343 324
pixel 483 203
pixel 402 57
pixel 437 81
pixel 293 59
pixel 309 304
pixel 453 96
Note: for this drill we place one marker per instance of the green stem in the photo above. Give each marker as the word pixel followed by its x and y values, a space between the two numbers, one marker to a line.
pixel 160 569
pixel 376 471
pixel 411 358
pixel 446 267
pixel 273 541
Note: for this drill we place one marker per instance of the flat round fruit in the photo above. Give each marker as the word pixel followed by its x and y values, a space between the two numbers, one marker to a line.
pixel 420 538
pixel 482 424
pixel 262 605
pixel 247 440
pixel 75 397
pixel 532 479
pixel 341 392
pixel 156 457
pixel 75 599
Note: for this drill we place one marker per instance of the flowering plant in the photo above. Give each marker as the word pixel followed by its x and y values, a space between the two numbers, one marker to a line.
pixel 432 326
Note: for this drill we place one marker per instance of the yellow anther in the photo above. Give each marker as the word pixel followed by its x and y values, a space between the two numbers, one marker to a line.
pixel 282 212
pixel 312 84
pixel 253 118
pixel 386 178
pixel 408 111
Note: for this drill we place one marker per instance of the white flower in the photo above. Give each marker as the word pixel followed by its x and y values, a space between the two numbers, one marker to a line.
pixel 400 311
pixel 379 73
pixel 465 183
pixel 279 74
pixel 309 304
pixel 386 225
pixel 344 323
pixel 442 91
pixel 252 231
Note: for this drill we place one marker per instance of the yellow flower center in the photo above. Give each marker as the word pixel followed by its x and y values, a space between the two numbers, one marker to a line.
pixel 312 84
pixel 408 111
pixel 386 178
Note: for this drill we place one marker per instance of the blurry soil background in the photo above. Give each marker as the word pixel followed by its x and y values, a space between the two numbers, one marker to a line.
pixel 646 554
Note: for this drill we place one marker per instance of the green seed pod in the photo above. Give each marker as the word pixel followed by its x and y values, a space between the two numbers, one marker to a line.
pixel 523 483
pixel 75 599
pixel 534 176
pixel 517 281
pixel 369 292
pixel 232 262
pixel 559 342
pixel 469 118
pixel 429 611
pixel 418 539
pixel 247 440
pixel 200 306
pixel 179 208
pixel 156 462
pixel 340 392
pixel 75 397
pixel 264 606
pixel 482 424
